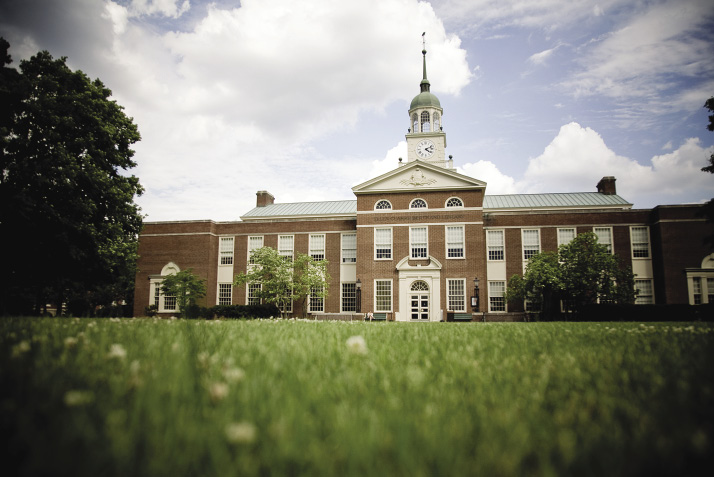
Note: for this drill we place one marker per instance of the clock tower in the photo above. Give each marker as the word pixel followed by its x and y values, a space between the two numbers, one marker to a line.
pixel 426 139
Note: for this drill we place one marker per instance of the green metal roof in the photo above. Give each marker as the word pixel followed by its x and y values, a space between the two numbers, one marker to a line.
pixel 565 200
pixel 425 100
pixel 335 207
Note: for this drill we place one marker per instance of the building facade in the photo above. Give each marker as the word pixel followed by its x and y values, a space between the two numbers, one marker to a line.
pixel 425 243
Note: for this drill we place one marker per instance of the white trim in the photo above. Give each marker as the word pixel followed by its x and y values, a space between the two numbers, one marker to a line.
pixel 632 243
pixel 391 294
pixel 503 237
pixel 505 303
pixel 310 243
pixel 417 224
pixel 408 211
pixel 411 241
pixel 463 242
pixel 342 247
pixel 448 295
pixel 523 242
pixel 391 244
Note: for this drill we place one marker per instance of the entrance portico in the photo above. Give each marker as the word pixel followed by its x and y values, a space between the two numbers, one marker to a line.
pixel 419 290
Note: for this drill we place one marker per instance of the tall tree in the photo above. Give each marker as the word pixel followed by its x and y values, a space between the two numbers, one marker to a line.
pixel 186 287
pixel 583 272
pixel 708 208
pixel 68 219
pixel 283 280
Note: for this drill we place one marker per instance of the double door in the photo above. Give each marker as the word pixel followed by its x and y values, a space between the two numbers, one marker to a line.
pixel 419 306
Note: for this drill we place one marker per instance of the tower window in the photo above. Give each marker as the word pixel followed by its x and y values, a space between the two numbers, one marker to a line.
pixel 425 125
pixel 437 122
pixel 415 123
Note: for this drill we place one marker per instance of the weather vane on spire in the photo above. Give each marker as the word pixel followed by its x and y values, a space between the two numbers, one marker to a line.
pixel 423 42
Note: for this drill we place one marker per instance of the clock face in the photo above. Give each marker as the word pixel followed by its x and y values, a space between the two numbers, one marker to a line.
pixel 425 148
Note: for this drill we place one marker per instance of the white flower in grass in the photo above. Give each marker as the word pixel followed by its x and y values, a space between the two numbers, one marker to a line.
pixel 76 398
pixel 20 348
pixel 117 351
pixel 356 345
pixel 70 342
pixel 233 375
pixel 218 391
pixel 241 432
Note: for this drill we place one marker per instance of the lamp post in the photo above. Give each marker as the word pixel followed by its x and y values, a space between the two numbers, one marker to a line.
pixel 358 297
pixel 474 299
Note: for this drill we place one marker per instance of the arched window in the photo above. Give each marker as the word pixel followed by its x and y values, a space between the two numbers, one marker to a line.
pixel 415 123
pixel 382 205
pixel 454 202
pixel 418 204
pixel 419 285
pixel 425 125
pixel 437 123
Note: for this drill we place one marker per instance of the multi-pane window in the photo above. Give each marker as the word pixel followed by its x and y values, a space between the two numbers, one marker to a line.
pixel 226 250
pixel 565 236
pixel 437 122
pixel 456 290
pixel 349 248
pixel 495 245
pixel 640 238
pixel 697 290
pixel 418 204
pixel 286 307
pixel 157 294
pixel 425 126
pixel 645 295
pixel 604 237
pixel 383 243
pixel 316 302
pixel 454 202
pixel 531 243
pixel 253 290
pixel 169 303
pixel 349 297
pixel 383 205
pixel 418 241
pixel 415 123
pixel 317 246
pixel 225 291
pixel 382 295
pixel 285 246
pixel 455 241
pixel 496 300
pixel 254 243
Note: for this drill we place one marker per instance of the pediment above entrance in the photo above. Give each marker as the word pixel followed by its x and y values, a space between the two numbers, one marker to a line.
pixel 430 264
pixel 418 175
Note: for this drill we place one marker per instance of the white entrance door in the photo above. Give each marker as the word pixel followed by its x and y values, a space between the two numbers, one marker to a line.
pixel 420 306
pixel 419 301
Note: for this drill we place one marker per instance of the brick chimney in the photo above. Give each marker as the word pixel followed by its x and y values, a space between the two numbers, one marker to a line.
pixel 607 185
pixel 264 198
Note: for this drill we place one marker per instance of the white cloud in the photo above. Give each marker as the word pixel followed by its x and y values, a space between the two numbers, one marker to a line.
pixel 541 57
pixel 167 8
pixel 497 182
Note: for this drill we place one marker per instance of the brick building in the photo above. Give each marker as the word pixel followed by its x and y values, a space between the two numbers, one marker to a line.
pixel 421 241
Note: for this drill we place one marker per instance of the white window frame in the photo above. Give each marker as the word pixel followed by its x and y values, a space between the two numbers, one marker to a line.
pixel 317 251
pixel 610 245
pixel 496 248
pixel 412 204
pixel 350 294
pixel 454 295
pixel 222 295
pixel 353 255
pixel 226 249
pixel 460 206
pixel 449 245
pixel 377 295
pixel 563 229
pixel 285 251
pixel 256 239
pixel 413 245
pixel 644 299
pixel 647 245
pixel 530 249
pixel 377 244
pixel 316 304
pixel 381 201
pixel 495 294
pixel 248 297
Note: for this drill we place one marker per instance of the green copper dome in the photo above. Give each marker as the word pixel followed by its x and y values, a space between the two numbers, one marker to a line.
pixel 425 99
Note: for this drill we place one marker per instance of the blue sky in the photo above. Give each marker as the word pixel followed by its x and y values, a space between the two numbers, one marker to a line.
pixel 306 99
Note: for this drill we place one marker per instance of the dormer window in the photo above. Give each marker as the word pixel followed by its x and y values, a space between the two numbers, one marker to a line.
pixel 418 204
pixel 382 205
pixel 454 202
pixel 425 124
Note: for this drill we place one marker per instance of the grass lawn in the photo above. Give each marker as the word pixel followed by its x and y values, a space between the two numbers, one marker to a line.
pixel 147 397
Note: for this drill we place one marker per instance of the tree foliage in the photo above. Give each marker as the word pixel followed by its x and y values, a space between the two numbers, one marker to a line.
pixel 283 280
pixel 68 215
pixel 185 286
pixel 708 208
pixel 583 272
